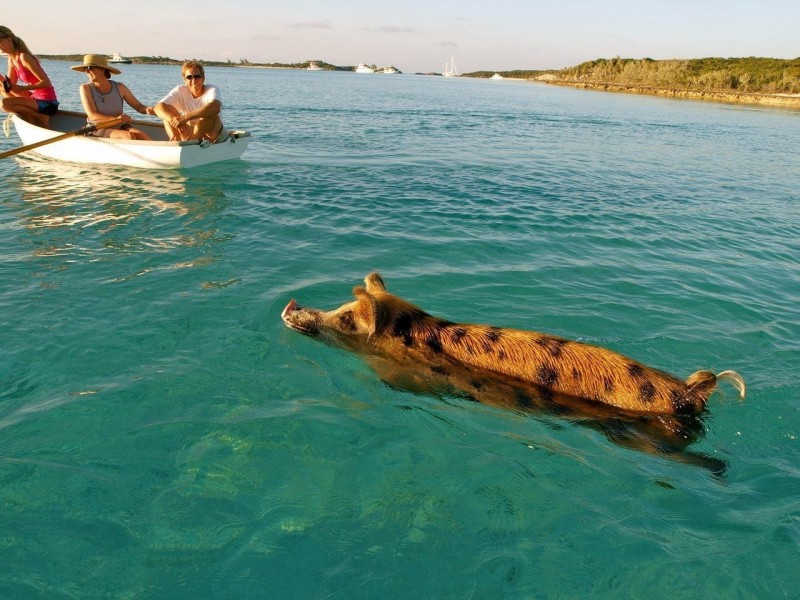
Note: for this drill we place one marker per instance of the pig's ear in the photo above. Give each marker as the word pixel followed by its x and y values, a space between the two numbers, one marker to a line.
pixel 366 310
pixel 375 282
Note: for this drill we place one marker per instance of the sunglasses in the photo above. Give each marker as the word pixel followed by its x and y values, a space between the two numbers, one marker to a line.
pixel 190 77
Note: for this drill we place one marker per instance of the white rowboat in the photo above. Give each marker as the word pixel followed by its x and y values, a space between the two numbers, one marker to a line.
pixel 156 153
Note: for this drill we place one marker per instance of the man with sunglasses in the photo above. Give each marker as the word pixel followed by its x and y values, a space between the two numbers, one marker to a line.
pixel 191 111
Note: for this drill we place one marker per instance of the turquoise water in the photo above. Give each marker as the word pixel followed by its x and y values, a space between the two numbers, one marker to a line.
pixel 163 435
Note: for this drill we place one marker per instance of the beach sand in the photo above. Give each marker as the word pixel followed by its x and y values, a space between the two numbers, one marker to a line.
pixel 791 101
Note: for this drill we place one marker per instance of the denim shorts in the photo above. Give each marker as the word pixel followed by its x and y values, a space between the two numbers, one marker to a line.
pixel 47 107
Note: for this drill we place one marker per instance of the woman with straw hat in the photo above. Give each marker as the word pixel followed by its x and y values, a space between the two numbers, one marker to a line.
pixel 102 99
pixel 26 90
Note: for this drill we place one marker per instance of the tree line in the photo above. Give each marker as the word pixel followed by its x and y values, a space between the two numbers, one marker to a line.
pixel 749 75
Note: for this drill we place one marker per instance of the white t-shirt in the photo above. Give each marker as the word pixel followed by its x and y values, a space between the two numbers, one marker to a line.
pixel 181 98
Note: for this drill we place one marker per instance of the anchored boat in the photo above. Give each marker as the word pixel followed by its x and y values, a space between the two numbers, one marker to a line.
pixel 117 59
pixel 156 153
pixel 450 68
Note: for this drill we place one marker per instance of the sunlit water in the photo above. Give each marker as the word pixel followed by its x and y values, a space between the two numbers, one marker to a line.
pixel 163 435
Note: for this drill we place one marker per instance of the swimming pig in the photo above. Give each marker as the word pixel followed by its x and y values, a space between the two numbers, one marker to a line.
pixel 481 361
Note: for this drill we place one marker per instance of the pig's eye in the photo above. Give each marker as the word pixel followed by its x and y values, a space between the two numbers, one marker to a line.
pixel 346 322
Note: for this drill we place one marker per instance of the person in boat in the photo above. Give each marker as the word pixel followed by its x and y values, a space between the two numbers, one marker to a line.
pixel 191 111
pixel 102 99
pixel 26 90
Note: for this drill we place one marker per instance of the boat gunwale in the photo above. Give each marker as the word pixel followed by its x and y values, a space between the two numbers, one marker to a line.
pixel 155 124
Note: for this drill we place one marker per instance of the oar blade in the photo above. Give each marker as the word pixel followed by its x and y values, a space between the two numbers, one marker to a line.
pixel 80 131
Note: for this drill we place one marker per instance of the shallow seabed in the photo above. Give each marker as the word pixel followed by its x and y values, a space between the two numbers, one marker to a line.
pixel 163 435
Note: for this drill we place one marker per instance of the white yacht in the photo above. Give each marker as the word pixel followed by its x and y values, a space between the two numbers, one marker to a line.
pixel 362 68
pixel 496 76
pixel 312 66
pixel 119 60
pixel 390 70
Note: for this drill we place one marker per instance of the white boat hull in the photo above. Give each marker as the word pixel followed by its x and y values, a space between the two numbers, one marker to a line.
pixel 157 153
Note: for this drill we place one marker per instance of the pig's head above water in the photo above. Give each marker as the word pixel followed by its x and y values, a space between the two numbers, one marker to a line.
pixel 378 322
pixel 357 320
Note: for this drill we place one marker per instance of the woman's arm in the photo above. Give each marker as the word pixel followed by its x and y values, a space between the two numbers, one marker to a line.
pixel 42 80
pixel 12 73
pixel 128 96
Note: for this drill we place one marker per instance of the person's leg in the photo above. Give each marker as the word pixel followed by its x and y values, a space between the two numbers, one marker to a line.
pixel 174 134
pixel 208 129
pixel 138 134
pixel 129 134
pixel 27 109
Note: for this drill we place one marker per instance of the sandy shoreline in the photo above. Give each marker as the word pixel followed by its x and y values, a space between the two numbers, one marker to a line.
pixel 774 100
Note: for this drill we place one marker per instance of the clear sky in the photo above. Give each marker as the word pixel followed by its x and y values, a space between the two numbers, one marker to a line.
pixel 413 35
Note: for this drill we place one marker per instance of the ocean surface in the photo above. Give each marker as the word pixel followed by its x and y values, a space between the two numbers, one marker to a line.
pixel 164 435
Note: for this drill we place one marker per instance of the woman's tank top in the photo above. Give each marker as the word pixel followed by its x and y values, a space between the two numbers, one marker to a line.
pixel 28 78
pixel 109 104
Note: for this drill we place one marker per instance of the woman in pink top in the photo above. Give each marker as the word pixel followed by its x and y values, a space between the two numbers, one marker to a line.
pixel 26 90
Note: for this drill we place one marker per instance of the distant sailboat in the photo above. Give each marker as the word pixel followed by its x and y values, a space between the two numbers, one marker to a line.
pixel 450 68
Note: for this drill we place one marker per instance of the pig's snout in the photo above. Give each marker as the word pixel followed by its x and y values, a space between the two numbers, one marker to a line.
pixel 301 319
pixel 290 308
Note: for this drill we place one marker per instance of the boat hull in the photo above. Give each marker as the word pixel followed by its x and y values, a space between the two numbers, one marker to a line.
pixel 157 153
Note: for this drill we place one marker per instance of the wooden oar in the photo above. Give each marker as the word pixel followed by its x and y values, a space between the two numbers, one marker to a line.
pixel 82 131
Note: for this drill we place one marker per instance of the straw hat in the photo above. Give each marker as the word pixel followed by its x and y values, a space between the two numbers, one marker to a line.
pixel 95 60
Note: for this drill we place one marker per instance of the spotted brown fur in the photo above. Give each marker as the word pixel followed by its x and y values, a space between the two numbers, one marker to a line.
pixel 554 365
pixel 546 376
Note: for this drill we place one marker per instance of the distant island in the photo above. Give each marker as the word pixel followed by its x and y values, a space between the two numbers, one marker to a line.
pixel 752 80
pixel 243 62
pixel 766 81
